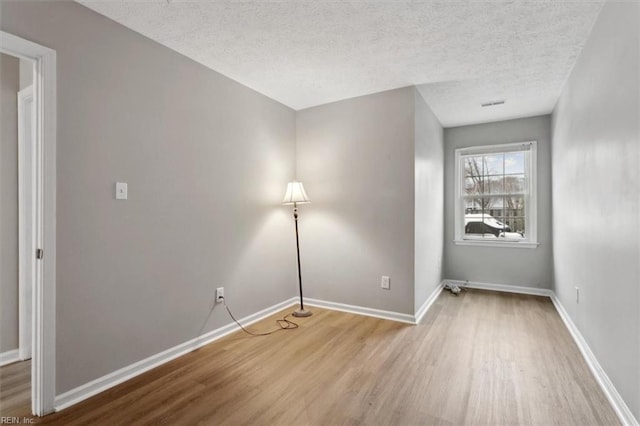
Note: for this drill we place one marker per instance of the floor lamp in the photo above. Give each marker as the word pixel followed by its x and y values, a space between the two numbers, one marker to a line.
pixel 295 195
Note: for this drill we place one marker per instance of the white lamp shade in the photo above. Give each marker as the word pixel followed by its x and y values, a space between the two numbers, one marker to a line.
pixel 295 194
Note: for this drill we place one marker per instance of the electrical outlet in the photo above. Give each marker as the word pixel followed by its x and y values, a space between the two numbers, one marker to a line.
pixel 577 294
pixel 219 294
pixel 385 283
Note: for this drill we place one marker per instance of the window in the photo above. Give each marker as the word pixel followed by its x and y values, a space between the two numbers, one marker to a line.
pixel 495 201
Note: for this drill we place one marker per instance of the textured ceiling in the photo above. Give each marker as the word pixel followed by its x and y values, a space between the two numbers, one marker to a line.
pixel 305 53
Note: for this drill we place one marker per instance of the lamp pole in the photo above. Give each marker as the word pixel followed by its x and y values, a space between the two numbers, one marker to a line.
pixel 300 312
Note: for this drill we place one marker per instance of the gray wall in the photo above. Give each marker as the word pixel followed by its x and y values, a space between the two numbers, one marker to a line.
pixel 429 186
pixel 206 160
pixel 356 160
pixel 9 81
pixel 501 265
pixel 595 196
pixel 26 73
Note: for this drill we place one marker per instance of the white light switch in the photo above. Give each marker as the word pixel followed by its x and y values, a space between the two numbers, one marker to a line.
pixel 121 191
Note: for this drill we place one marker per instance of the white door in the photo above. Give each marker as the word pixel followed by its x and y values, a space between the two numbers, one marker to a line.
pixel 26 219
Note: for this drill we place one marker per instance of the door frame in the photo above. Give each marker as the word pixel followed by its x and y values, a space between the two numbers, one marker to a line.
pixel 43 373
pixel 26 220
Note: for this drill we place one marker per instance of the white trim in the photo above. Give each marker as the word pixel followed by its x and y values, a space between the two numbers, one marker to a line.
pixel 496 148
pixel 9 357
pixel 26 221
pixel 110 380
pixel 618 404
pixel 379 313
pixel 44 82
pixel 361 310
pixel 534 291
pixel 428 303
pixel 45 301
pixel 490 243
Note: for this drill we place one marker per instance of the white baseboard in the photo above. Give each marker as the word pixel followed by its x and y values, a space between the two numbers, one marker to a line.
pixel 9 357
pixel 361 310
pixel 502 287
pixel 103 383
pixel 379 313
pixel 616 401
pixel 427 303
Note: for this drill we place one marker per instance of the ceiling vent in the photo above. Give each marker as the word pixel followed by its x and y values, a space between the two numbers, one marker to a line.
pixel 492 103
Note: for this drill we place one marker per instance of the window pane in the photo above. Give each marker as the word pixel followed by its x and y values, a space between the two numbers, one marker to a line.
pixel 482 204
pixel 515 183
pixel 514 205
pixel 493 164
pixel 495 184
pixel 473 166
pixel 473 186
pixel 502 225
pixel 514 163
pixel 475 226
pixel 473 205
pixel 492 204
pixel 515 216
pixel 496 208
pixel 483 225
pixel 516 226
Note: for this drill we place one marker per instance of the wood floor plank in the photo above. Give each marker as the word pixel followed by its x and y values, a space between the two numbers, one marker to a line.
pixel 15 390
pixel 481 358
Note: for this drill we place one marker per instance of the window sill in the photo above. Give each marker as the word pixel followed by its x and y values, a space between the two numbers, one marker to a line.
pixel 509 244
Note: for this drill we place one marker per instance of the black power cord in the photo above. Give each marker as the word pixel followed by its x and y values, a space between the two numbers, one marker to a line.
pixel 283 323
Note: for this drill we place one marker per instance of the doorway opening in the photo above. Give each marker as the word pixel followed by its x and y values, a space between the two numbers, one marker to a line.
pixel 17 232
pixel 35 107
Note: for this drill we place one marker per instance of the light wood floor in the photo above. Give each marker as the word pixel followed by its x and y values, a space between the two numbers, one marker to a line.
pixel 481 358
pixel 15 389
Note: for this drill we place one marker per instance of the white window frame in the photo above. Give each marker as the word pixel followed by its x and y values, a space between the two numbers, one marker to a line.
pixel 531 198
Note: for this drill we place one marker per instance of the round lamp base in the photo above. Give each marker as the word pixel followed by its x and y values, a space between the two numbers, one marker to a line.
pixel 301 313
